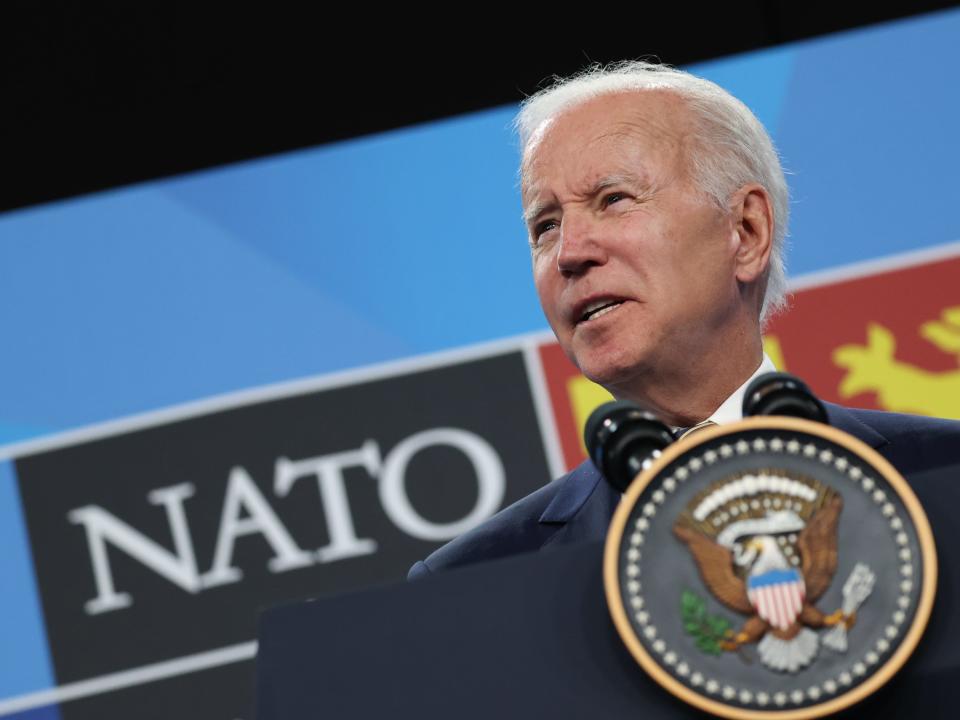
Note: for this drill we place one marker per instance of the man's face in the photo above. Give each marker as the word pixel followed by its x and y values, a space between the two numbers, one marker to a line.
pixel 633 264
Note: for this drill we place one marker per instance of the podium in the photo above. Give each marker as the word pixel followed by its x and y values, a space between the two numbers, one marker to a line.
pixel 530 636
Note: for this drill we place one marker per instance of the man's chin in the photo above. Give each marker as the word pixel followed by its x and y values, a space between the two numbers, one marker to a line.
pixel 610 375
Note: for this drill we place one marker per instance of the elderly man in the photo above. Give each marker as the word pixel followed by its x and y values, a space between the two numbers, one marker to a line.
pixel 656 210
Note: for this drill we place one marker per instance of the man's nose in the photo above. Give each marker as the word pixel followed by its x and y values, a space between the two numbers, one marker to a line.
pixel 580 244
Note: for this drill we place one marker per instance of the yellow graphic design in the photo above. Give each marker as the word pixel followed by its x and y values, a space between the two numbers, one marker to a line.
pixel 585 397
pixel 771 346
pixel 900 386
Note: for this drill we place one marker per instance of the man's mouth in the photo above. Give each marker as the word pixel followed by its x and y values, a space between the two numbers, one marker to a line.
pixel 598 309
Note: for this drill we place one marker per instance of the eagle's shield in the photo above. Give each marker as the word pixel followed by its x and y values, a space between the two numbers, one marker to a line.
pixel 777 596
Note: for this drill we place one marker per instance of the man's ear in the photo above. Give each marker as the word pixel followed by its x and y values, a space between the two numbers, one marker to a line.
pixel 752 212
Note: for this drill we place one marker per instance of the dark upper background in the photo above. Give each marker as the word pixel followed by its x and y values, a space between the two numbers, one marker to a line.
pixel 94 98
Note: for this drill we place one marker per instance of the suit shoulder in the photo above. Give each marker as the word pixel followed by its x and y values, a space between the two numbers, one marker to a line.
pixel 916 442
pixel 893 425
pixel 515 529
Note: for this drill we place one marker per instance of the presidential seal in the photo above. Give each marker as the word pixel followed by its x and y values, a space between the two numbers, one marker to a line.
pixel 773 568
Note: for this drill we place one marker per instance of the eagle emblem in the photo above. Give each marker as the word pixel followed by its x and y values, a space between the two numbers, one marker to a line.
pixel 765 546
pixel 740 569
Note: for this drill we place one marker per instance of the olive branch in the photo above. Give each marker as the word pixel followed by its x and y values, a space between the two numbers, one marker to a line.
pixel 707 630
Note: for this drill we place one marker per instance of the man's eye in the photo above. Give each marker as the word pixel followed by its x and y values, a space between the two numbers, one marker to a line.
pixel 543 227
pixel 612 198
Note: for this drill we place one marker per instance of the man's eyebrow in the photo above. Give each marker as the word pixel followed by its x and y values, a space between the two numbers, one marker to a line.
pixel 539 208
pixel 610 180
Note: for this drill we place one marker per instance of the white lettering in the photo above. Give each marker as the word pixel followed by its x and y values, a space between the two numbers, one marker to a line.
pixel 246 511
pixel 179 567
pixel 393 492
pixel 243 494
pixel 328 469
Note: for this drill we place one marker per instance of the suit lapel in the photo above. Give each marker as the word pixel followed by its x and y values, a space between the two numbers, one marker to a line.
pixel 843 419
pixel 582 507
pixel 585 502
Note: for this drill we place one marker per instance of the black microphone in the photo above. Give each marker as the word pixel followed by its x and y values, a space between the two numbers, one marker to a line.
pixel 622 439
pixel 779 393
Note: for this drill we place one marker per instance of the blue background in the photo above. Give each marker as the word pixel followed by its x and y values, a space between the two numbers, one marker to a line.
pixel 410 241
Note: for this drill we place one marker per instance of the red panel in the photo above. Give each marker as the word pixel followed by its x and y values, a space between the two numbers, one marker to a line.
pixel 824 318
pixel 558 370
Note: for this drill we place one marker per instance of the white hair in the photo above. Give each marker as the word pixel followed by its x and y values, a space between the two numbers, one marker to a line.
pixel 731 147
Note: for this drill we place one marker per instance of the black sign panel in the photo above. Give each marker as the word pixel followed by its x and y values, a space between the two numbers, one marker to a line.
pixel 220 693
pixel 165 542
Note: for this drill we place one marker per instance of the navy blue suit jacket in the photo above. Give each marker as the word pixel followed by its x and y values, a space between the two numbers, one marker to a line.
pixel 578 506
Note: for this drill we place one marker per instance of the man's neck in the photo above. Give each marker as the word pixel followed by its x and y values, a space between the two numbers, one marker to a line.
pixel 731 409
pixel 685 399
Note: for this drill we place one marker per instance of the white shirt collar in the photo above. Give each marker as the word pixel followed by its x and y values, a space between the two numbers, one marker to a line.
pixel 731 409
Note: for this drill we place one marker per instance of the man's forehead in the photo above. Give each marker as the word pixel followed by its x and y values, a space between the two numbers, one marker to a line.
pixel 614 135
